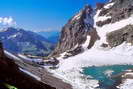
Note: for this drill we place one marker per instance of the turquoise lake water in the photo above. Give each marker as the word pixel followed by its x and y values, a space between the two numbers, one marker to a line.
pixel 104 73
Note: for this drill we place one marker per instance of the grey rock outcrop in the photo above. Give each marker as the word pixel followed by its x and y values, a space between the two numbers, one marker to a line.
pixel 75 31
pixel 121 9
pixel 99 6
pixel 122 77
pixel 117 37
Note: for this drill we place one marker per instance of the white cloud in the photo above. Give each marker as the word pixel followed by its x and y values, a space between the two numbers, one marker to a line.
pixel 9 21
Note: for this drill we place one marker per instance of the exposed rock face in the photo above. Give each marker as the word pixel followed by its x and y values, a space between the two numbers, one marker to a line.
pixel 99 6
pixel 10 73
pixel 122 77
pixel 117 37
pixel 94 37
pixel 101 23
pixel 118 14
pixel 121 9
pixel 75 32
pixel 104 11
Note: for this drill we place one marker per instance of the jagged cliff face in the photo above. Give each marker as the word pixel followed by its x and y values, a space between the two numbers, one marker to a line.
pixel 10 74
pixel 117 10
pixel 109 41
pixel 113 22
pixel 89 26
pixel 75 32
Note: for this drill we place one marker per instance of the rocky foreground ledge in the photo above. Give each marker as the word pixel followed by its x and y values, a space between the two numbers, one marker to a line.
pixel 10 73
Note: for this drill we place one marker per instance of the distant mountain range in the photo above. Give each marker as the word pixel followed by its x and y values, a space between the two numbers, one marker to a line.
pixel 18 40
pixel 52 36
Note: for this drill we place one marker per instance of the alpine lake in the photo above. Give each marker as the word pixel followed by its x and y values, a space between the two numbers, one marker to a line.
pixel 104 74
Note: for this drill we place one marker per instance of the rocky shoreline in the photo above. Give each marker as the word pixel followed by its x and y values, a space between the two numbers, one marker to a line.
pixel 122 77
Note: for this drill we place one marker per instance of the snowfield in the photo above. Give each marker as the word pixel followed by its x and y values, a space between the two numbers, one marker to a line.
pixel 109 5
pixel 85 45
pixel 70 69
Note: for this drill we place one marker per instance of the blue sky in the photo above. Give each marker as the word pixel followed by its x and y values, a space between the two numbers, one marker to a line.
pixel 42 14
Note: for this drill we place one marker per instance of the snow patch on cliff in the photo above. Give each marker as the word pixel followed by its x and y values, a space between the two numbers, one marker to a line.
pixel 109 5
pixel 100 18
pixel 102 31
pixel 78 16
pixel 85 45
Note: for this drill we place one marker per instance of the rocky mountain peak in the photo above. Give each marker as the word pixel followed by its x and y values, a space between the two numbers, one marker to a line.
pixel 84 25
pixel 84 16
pixel 88 15
pixel 109 42
pixel 75 32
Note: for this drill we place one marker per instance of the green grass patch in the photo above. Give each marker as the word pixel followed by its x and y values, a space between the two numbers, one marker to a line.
pixel 10 86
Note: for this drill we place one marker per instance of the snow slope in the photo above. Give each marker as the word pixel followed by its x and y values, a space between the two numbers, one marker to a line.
pixel 71 68
pixel 102 31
